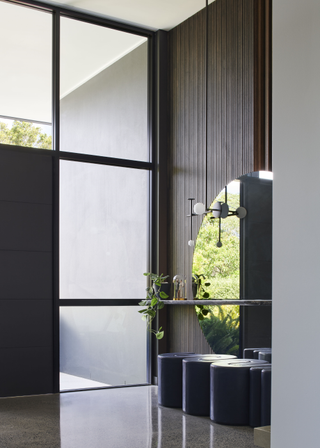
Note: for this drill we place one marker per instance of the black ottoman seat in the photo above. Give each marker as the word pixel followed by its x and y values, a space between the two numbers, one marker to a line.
pixel 265 354
pixel 230 390
pixel 196 383
pixel 170 378
pixel 266 397
pixel 253 353
pixel 255 396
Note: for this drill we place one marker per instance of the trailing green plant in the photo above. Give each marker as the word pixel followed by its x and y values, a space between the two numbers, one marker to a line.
pixel 200 281
pixel 153 302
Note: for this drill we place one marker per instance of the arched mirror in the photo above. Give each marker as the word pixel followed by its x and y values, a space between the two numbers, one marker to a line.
pixel 233 260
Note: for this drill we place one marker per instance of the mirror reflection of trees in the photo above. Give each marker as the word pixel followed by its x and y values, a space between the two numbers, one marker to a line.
pixel 221 268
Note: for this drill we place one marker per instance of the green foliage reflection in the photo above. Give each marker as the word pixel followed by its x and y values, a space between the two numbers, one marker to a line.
pixel 221 329
pixel 221 267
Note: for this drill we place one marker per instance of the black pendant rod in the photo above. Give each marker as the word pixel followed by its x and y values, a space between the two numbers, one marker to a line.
pixel 206 102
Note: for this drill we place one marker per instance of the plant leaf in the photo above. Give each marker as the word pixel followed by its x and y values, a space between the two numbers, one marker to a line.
pixel 160 334
pixel 160 305
pixel 154 301
pixel 163 295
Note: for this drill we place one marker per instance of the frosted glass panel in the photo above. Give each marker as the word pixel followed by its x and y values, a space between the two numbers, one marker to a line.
pixel 102 346
pixel 103 231
pixel 103 92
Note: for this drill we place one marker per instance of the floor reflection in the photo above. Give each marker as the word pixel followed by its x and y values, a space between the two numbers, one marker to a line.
pixel 177 429
pixel 111 418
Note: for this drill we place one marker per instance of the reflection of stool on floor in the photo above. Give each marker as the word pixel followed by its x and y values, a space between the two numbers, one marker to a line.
pixel 170 379
pixel 196 383
pixel 259 406
pixel 229 390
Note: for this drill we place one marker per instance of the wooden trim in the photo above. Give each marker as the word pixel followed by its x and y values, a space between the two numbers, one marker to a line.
pixel 262 85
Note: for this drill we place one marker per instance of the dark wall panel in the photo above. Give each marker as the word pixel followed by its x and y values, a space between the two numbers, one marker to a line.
pixel 26 319
pixel 257 328
pixel 32 275
pixel 25 371
pixel 256 239
pixel 25 323
pixel 25 226
pixel 256 260
pixel 24 177
pixel 235 88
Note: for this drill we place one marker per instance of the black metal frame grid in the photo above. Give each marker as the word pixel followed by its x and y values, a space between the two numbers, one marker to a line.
pixel 57 155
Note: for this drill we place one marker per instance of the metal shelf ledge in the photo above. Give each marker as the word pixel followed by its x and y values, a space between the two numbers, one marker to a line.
pixel 214 302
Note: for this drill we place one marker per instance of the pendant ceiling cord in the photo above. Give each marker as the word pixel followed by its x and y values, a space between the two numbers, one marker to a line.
pixel 206 102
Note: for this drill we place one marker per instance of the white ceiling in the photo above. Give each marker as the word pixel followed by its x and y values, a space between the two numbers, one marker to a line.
pixel 26 39
pixel 152 14
pixel 88 49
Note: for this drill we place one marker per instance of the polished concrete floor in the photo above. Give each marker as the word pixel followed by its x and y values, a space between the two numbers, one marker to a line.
pixel 112 418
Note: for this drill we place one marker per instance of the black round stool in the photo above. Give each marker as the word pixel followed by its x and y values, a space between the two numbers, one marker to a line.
pixel 265 354
pixel 255 395
pixel 266 397
pixel 253 353
pixel 196 383
pixel 229 390
pixel 170 379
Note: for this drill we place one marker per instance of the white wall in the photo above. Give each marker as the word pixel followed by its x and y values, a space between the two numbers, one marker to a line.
pixel 296 267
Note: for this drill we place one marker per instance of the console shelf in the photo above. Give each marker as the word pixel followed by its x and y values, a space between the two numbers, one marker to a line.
pixel 214 302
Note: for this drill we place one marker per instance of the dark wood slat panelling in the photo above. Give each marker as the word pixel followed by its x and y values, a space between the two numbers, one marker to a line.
pixel 185 332
pixel 187 48
pixel 262 85
pixel 248 87
pixel 268 84
pixel 259 84
pixel 232 98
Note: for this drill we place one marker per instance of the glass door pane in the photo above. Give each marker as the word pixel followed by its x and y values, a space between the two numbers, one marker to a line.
pixel 102 346
pixel 103 107
pixel 103 231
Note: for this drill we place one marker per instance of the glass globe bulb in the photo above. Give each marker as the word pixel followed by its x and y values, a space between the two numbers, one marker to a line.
pixel 216 212
pixel 199 208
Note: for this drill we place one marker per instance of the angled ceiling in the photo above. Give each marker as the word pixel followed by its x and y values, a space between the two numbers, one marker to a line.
pixel 25 78
pixel 152 14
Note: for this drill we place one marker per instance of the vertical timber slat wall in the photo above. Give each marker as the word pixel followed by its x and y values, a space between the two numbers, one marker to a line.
pixel 187 145
pixel 236 135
